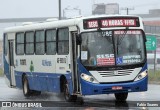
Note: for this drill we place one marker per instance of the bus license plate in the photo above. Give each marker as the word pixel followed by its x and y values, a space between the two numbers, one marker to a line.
pixel 117 88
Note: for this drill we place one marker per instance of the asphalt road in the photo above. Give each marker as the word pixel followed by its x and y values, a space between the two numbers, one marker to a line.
pixel 56 101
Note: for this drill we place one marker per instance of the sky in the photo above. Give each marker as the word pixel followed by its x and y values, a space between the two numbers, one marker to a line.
pixel 49 8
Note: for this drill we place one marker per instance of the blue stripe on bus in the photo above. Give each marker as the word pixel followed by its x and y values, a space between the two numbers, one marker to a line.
pixel 43 81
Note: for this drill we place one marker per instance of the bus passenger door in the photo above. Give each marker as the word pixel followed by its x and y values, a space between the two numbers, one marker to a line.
pixel 74 57
pixel 11 63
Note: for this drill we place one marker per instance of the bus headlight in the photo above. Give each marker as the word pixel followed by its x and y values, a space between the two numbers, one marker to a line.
pixel 141 75
pixel 88 78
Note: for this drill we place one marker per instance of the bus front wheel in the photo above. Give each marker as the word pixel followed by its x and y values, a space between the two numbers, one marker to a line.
pixel 67 95
pixel 26 90
pixel 121 96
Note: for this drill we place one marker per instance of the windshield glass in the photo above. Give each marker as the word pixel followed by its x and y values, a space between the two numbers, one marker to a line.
pixel 108 48
pixel 97 49
pixel 129 47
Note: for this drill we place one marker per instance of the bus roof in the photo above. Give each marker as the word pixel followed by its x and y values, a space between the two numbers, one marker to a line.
pixel 57 23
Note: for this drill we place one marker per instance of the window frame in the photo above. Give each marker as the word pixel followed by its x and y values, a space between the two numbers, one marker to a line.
pixel 20 43
pixel 46 42
pixel 5 45
pixel 39 42
pixel 30 43
pixel 58 41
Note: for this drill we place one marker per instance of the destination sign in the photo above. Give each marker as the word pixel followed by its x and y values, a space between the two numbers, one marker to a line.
pixel 118 22
pixel 111 22
pixel 92 24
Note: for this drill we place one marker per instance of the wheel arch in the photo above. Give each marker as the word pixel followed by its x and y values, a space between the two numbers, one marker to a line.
pixel 23 75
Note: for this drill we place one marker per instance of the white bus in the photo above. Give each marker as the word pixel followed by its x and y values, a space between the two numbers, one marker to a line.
pixel 81 56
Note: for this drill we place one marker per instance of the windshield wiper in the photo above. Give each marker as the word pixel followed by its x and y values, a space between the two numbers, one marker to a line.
pixel 120 39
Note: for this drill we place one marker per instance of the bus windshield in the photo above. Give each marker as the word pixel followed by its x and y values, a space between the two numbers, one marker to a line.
pixel 110 48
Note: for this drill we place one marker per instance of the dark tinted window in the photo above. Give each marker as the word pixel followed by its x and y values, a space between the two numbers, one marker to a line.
pixel 5 44
pixel 51 42
pixel 40 44
pixel 20 43
pixel 63 41
pixel 29 43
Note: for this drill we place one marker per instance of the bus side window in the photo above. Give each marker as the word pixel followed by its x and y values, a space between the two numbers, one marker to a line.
pixel 29 45
pixel 5 44
pixel 63 41
pixel 20 43
pixel 51 42
pixel 40 38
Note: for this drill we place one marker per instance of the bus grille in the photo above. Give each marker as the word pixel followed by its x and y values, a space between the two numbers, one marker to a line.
pixel 116 73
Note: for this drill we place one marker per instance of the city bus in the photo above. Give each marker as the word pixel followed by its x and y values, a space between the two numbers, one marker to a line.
pixel 93 55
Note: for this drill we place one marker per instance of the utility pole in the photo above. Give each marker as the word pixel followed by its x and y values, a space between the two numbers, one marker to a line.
pixel 59 10
pixel 127 9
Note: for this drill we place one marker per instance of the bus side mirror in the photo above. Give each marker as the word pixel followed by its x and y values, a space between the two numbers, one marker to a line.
pixel 78 39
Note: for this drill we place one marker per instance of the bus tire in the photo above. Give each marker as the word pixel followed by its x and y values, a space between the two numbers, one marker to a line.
pixel 26 90
pixel 121 96
pixel 67 96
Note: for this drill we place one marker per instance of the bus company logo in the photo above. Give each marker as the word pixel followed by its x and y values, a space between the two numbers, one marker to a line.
pixel 6 104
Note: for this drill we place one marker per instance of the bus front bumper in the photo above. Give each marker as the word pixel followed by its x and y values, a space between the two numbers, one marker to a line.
pixel 88 88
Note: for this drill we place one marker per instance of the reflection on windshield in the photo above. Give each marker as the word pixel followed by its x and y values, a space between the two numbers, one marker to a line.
pixel 129 47
pixel 97 48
